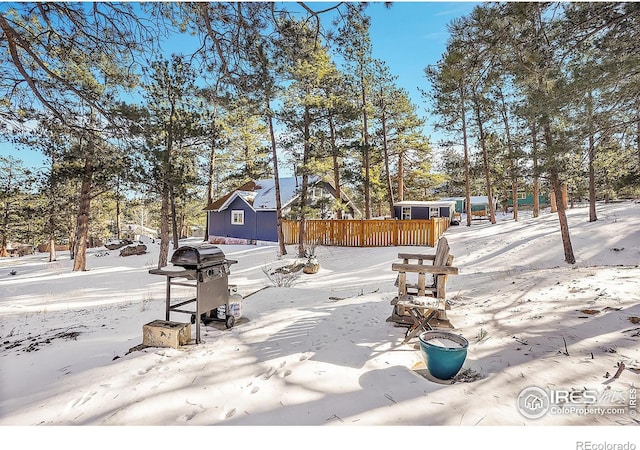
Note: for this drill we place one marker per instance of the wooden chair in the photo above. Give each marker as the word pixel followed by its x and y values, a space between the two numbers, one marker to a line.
pixel 422 306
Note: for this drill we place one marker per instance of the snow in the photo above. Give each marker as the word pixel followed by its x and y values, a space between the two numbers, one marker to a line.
pixel 266 193
pixel 321 353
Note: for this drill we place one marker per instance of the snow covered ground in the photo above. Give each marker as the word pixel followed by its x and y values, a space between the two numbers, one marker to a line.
pixel 321 351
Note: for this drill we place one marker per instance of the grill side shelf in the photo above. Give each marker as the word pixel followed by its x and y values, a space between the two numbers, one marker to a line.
pixel 187 273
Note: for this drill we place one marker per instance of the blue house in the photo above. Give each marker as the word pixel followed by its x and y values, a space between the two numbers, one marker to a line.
pixel 249 212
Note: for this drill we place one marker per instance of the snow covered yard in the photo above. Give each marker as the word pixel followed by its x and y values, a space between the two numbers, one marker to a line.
pixel 321 352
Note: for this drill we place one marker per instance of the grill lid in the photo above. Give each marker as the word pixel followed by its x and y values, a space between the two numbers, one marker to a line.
pixel 197 256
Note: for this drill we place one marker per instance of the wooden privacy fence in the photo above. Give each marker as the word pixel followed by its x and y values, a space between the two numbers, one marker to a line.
pixel 366 233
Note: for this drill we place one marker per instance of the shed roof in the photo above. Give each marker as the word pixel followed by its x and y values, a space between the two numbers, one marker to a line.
pixel 475 199
pixel 425 203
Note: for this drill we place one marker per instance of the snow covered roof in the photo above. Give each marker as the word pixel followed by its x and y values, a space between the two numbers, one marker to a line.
pixel 425 203
pixel 475 199
pixel 261 194
pixel 289 190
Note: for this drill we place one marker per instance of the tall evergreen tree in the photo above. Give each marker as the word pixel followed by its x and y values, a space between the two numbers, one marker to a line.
pixel 173 117
pixel 355 45
pixel 308 67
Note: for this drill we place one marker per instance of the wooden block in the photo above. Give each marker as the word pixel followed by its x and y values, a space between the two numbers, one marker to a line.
pixel 164 333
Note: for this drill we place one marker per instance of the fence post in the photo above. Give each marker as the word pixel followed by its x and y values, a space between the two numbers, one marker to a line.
pixel 432 233
pixel 394 230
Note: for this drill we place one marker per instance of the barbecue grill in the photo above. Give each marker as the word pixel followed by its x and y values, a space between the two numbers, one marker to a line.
pixel 207 266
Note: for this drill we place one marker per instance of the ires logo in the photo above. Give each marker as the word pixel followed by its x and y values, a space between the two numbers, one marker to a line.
pixel 534 402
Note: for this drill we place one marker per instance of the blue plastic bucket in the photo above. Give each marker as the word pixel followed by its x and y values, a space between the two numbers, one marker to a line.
pixel 443 352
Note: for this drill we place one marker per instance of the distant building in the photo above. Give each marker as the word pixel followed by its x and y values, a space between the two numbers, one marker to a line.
pixel 526 199
pixel 413 210
pixel 479 204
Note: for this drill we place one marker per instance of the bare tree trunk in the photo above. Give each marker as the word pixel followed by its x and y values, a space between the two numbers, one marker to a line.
pixel 164 227
pixel 638 141
pixel 52 249
pixel 52 230
pixel 174 221
pixel 212 165
pixel 536 181
pixel 82 223
pixel 118 216
pixel 557 189
pixel 365 155
pixel 386 160
pixel 562 217
pixel 638 131
pixel 165 194
pixel 592 181
pixel 336 166
pixel 276 182
pixel 72 243
pixel 305 184
pixel 400 176
pixel 52 211
pixel 3 250
pixel 512 162
pixel 485 159
pixel 5 230
pixel 592 156
pixel 467 183
pixel 182 228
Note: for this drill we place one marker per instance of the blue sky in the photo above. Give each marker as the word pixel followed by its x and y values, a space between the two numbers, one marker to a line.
pixel 412 35
pixel 408 36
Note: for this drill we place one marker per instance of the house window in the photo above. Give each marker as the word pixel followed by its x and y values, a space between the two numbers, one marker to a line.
pixel 237 217
pixel 522 195
pixel 406 213
pixel 316 193
pixel 434 213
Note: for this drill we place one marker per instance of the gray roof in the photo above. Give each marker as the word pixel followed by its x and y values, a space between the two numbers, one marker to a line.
pixel 266 192
pixel 475 199
pixel 264 196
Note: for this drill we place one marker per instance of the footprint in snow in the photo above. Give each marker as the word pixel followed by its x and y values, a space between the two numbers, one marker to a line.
pixel 84 399
pixel 187 417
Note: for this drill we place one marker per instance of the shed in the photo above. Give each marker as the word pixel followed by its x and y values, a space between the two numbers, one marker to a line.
pixel 525 198
pixel 407 210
